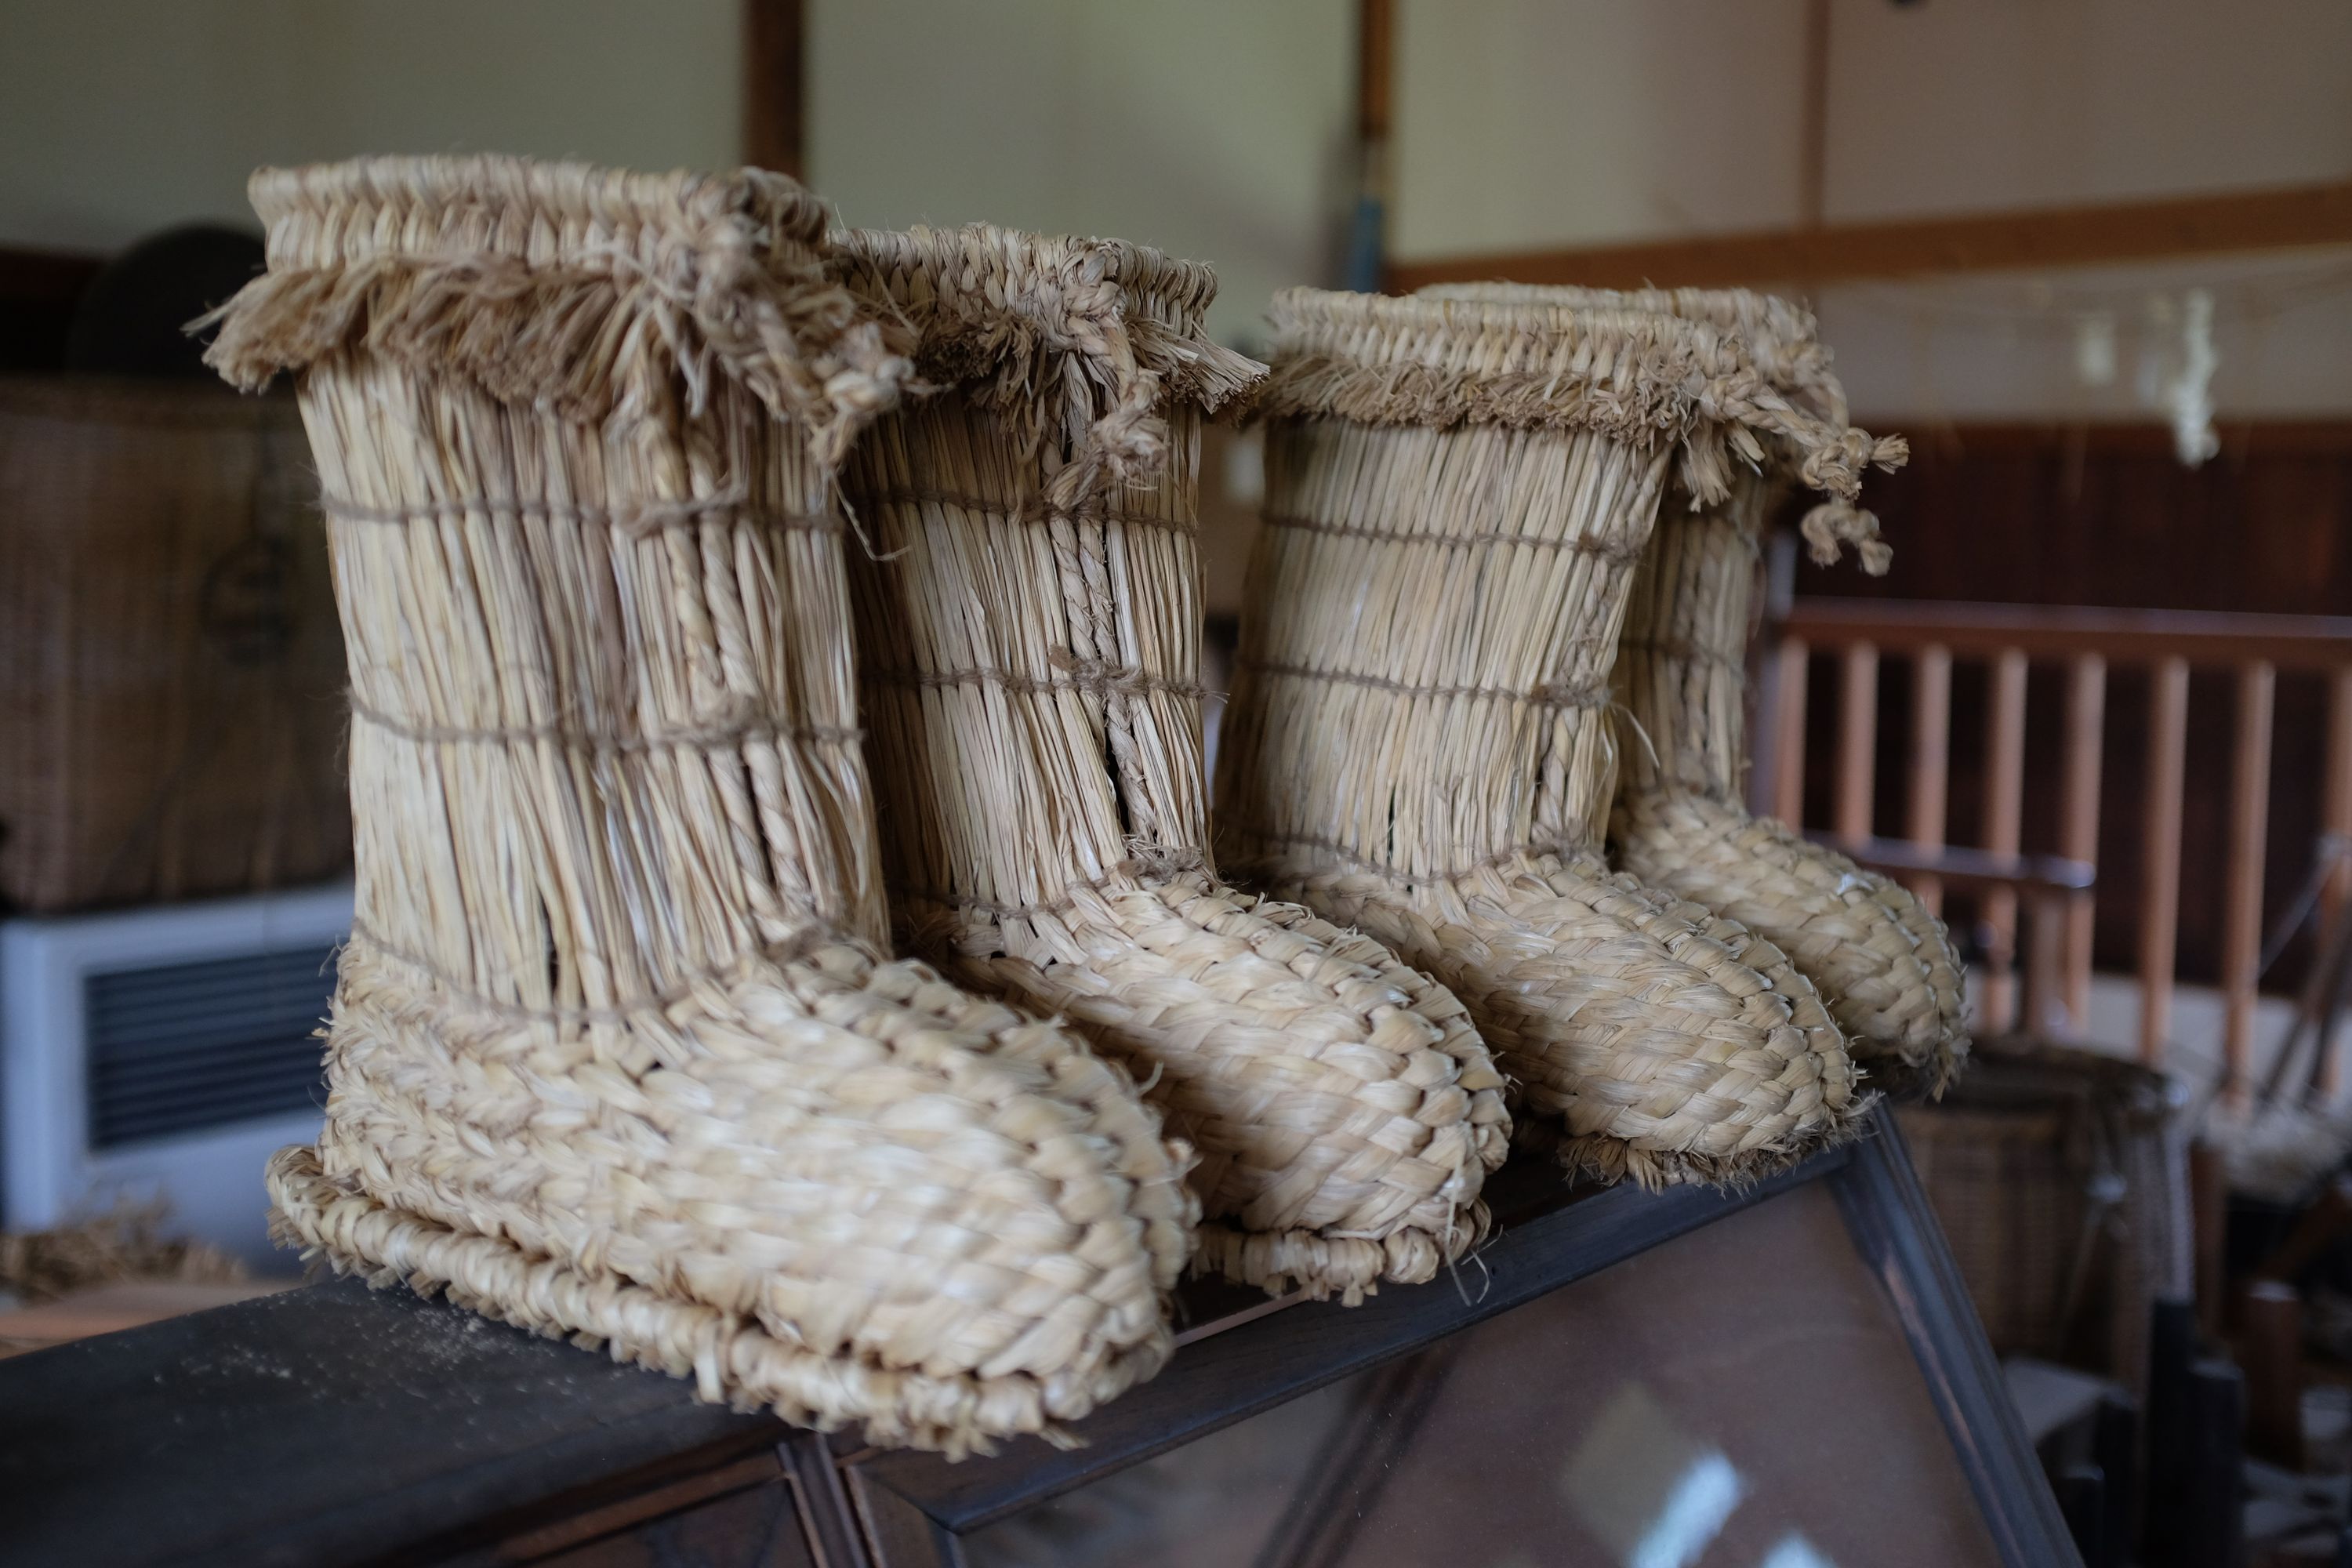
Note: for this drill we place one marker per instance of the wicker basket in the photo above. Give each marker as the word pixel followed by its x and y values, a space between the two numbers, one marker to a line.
pixel 2061 1177
pixel 170 670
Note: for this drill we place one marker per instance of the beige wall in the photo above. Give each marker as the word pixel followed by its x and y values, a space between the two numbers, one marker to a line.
pixel 1533 123
pixel 119 116
pixel 1217 130
pixel 1524 123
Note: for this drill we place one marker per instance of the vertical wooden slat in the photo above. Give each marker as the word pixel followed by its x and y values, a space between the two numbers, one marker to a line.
pixel 1931 761
pixel 1857 776
pixel 2335 800
pixel 2335 819
pixel 2241 918
pixel 2004 817
pixel 2078 831
pixel 2159 905
pixel 2045 948
pixel 1789 745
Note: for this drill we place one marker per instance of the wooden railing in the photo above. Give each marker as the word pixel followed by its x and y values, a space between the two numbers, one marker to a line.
pixel 2087 643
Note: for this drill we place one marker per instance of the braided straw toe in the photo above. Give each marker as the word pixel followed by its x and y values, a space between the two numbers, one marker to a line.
pixel 1882 962
pixel 1029 632
pixel 1674 1045
pixel 850 1193
pixel 1344 1110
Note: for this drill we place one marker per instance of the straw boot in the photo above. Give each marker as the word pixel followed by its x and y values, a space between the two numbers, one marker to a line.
pixel 613 1054
pixel 1417 740
pixel 1883 963
pixel 1029 647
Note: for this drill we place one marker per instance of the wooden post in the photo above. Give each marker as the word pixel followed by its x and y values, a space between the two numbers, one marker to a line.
pixel 2078 833
pixel 2242 935
pixel 1857 777
pixel 2159 904
pixel 1789 745
pixel 1931 761
pixel 2272 1351
pixel 1814 123
pixel 774 126
pixel 2335 819
pixel 2004 814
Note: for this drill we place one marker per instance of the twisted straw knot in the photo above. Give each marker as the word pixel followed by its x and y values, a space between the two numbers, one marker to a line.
pixel 1837 520
pixel 1838 459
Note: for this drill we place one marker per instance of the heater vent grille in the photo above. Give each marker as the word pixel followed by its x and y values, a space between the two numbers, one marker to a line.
pixel 184 1047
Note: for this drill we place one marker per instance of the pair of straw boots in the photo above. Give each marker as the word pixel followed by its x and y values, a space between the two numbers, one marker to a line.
pixel 1501 606
pixel 615 1052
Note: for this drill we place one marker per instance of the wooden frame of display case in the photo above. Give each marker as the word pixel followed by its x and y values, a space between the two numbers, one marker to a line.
pixel 331 1426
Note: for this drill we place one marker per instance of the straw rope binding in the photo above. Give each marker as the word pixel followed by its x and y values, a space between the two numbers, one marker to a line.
pixel 1478 484
pixel 1882 961
pixel 1030 634
pixel 613 1054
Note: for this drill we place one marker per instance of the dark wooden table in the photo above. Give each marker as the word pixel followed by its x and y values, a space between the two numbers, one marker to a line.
pixel 333 1425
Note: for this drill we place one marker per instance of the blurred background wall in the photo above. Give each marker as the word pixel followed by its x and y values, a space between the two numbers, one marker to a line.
pixel 121 117
pixel 1222 129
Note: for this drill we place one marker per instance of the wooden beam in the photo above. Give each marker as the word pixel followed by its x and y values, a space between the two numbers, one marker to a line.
pixel 1375 67
pixel 1814 123
pixel 774 125
pixel 2270 219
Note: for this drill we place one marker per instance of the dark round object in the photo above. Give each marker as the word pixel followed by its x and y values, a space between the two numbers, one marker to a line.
pixel 133 319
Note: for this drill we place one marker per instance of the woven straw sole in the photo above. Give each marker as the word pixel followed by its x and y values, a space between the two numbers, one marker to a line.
pixel 1882 962
pixel 852 1195
pixel 1344 1110
pixel 1674 1045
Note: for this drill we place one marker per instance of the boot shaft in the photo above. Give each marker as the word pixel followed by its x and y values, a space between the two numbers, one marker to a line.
pixel 1428 684
pixel 1682 665
pixel 1030 624
pixel 1032 676
pixel 576 451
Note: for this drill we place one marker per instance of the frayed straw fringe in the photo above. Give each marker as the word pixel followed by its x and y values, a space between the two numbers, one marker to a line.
pixel 1638 377
pixel 611 1052
pixel 1780 335
pixel 1082 343
pixel 627 286
pixel 1031 653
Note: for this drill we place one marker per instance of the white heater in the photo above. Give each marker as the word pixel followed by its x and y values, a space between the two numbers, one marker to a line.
pixel 164 1052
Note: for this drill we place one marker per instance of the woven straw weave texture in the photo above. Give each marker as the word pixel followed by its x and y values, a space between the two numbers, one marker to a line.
pixel 1418 741
pixel 1030 646
pixel 613 1054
